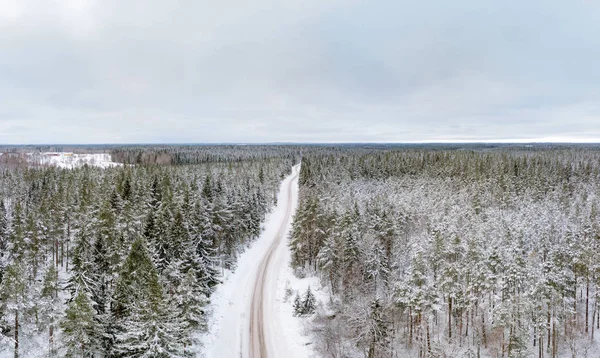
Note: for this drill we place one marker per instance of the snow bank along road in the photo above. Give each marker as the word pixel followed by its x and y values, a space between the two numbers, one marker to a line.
pixel 247 320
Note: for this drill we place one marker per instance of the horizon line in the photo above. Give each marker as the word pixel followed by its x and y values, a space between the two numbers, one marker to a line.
pixel 431 141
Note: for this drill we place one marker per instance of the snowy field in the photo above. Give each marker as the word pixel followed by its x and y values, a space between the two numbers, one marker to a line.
pixel 71 160
pixel 230 307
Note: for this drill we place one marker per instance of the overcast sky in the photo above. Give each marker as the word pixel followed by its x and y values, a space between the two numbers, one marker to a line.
pixel 117 71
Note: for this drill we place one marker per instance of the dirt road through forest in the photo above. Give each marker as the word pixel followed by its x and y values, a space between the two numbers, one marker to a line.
pixel 259 339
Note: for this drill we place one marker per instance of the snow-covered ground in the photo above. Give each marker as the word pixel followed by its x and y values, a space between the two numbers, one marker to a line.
pixel 229 324
pixel 71 160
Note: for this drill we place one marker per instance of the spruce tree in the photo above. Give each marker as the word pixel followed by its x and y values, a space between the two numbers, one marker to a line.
pixel 83 273
pixel 191 301
pixel 147 325
pixel 179 237
pixel 309 304
pixel 80 328
pixel 162 244
pixel 298 307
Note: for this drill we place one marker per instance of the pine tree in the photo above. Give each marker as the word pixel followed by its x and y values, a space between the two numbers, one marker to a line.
pixel 50 306
pixel 4 261
pixel 377 329
pixel 308 234
pixel 328 261
pixel 15 299
pixel 376 268
pixel 350 250
pixel 100 270
pixel 32 245
pixel 80 328
pixel 3 238
pixel 17 247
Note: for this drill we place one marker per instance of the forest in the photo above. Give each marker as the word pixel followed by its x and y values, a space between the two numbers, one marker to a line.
pixel 422 251
pixel 453 252
pixel 122 261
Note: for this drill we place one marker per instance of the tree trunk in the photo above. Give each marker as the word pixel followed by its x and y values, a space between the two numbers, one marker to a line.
pixel 68 235
pixel 460 327
pixel 549 327
pixel 51 338
pixel 593 321
pixel 467 325
pixel 428 340
pixel 410 327
pixel 554 342
pixel 574 307
pixel 62 253
pixel 484 336
pixel 574 314
pixel 332 288
pixel 449 318
pixel 56 252
pixel 16 334
pixel 587 302
pixel 502 347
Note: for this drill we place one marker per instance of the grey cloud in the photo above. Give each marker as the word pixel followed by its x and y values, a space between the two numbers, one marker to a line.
pixel 198 71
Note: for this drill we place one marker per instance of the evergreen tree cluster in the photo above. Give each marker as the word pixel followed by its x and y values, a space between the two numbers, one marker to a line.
pixel 446 252
pixel 305 305
pixel 121 262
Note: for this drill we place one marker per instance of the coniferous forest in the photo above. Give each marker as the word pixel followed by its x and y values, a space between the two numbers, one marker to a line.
pixel 476 252
pixel 121 261
pixel 421 251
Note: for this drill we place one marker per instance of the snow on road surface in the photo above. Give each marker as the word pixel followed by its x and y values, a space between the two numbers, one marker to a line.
pixel 250 317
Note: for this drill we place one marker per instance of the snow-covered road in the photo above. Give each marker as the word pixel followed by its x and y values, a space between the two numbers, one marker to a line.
pixel 262 335
pixel 250 316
